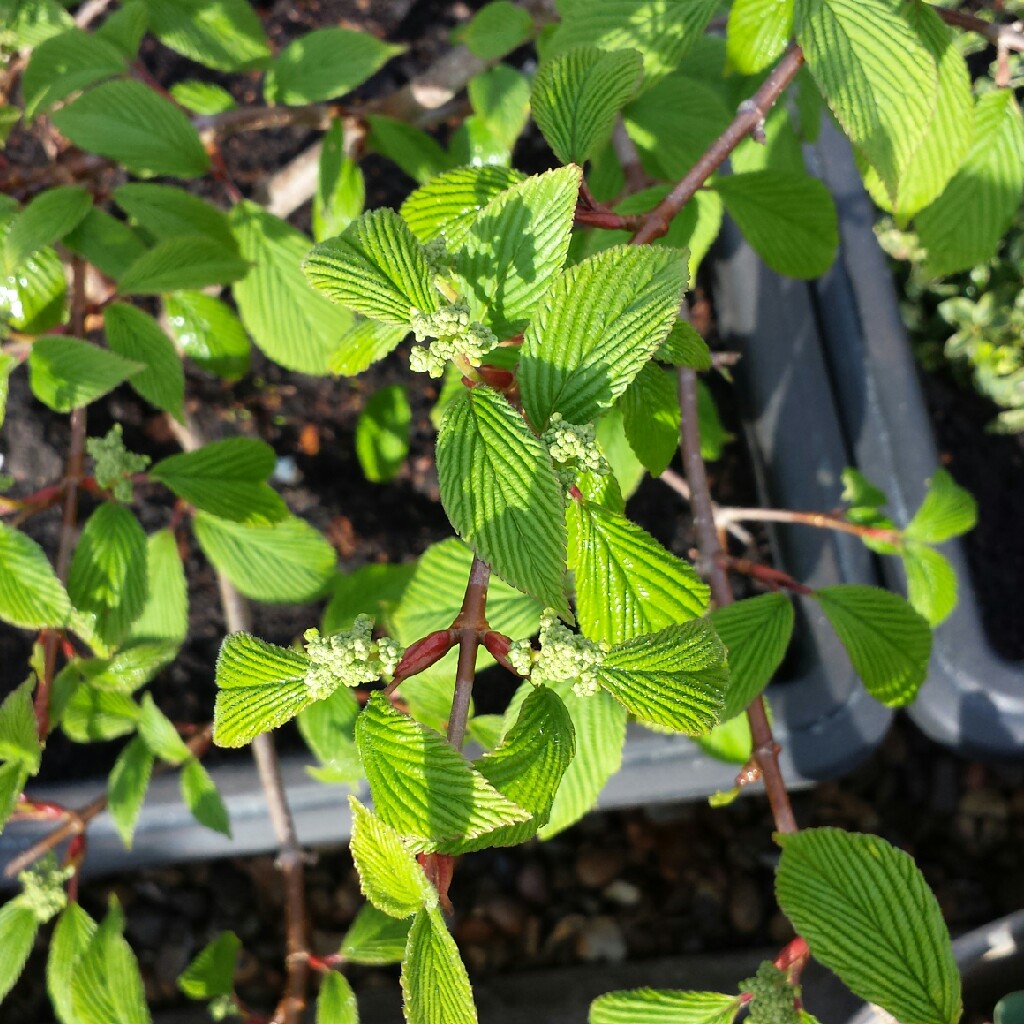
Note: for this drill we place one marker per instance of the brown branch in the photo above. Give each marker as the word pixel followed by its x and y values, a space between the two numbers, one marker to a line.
pixel 770 577
pixel 824 521
pixel 1006 37
pixel 471 622
pixel 676 483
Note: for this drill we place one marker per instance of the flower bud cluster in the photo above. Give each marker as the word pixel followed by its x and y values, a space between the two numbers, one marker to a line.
pixel 349 658
pixel 563 655
pixel 455 335
pixel 437 255
pixel 114 463
pixel 774 998
pixel 42 888
pixel 573 448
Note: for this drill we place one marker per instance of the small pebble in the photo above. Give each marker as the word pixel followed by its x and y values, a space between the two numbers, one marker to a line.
pixel 622 893
pixel 596 868
pixel 601 939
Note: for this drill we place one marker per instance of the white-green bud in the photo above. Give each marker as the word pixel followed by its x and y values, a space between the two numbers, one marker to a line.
pixel 563 655
pixel 349 658
pixel 455 335
pixel 573 449
pixel 42 888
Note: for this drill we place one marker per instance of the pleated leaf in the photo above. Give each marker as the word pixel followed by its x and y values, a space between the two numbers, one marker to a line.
pixel 45 219
pixel 757 33
pixel 66 373
pixel 375 937
pixel 888 642
pixel 209 333
pixel 138 337
pixel 868 915
pixel 164 616
pixel 127 785
pixel 203 799
pixel 64 64
pixel 31 596
pixel 227 35
pixel 422 787
pixel 576 96
pixel 501 494
pixel 435 986
pixel 12 783
pixel 71 937
pixel 627 584
pixel 34 299
pixel 212 972
pixel 367 342
pixel 651 417
pixel 389 875
pixel 598 324
pixel 183 262
pixel 663 1006
pixel 128 669
pixel 946 512
pixel 18 927
pixel 107 243
pixel 91 715
pixel 931 582
pixel 336 1002
pixel 166 212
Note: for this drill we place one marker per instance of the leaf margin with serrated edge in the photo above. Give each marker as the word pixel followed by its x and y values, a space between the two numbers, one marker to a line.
pixel 677 1007
pixel 57 604
pixel 447 977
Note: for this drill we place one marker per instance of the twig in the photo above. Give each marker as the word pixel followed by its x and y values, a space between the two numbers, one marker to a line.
pixel 673 480
pixel 1006 37
pixel 90 11
pixel 471 623
pixel 725 516
pixel 774 578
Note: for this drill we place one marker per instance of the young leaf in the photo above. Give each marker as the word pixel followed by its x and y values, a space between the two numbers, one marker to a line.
pixel 124 29
pixel 227 479
pixel 66 373
pixel 227 35
pixel 128 669
pixel 107 579
pixel 598 324
pixel 209 333
pixel 500 98
pixel 182 262
pixel 202 799
pixel 33 300
pixel 31 596
pixel 167 212
pixel 159 735
pixel 373 590
pixel 341 189
pixel 931 582
pixel 137 336
pixel 65 63
pixel 91 715
pixel 46 219
pixel 662 1006
pixel 19 738
pixel 423 788
pixel 323 64
pixel 126 789
pixel 757 33
pixel 729 741
pixel 336 1003
pixel 415 152
pixel 285 563
pixel 435 985
pixel 18 927
pixel 130 123
pixel 287 319
pixel 367 342
pixel 515 245
pixel 946 512
pixel 577 95
pixel 650 414
pixel 106 242
pixel 611 556
pixel 260 686
pixel 501 494
pixel 164 616
pixel 375 937
pixel 327 726
pixel 888 642
pixel 71 937
pixel 496 29
pixel 12 783
pixel 202 97
pixel 212 971
pixel 382 434
pixel 389 875
pixel 868 915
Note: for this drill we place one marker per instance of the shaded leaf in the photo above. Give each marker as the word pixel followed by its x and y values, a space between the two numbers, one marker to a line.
pixel 435 985
pixel 663 1006
pixel 31 596
pixel 138 337
pixel 496 29
pixel 415 152
pixel 212 971
pixel 66 373
pixel 651 417
pixel 226 35
pixel 164 616
pixel 202 798
pixel 126 789
pixel 209 333
pixel 382 433
pixel 18 927
pixel 44 220
pixel 375 937
pixel 65 63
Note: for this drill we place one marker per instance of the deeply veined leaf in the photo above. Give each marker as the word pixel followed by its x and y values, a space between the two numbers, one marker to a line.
pixel 19 738
pixel 577 95
pixel 598 324
pixel 138 337
pixel 126 789
pixel 33 300
pixel 31 596
pixel 946 512
pixel 203 799
pixel 158 733
pixel 66 373
pixel 164 616
pixel 363 345
pixel 627 584
pixel 45 219
pixel 514 246
pixel 202 97
pixel 325 63
pixel 756 632
pixel 128 669
pixel 789 220
pixel 418 154
pixel 340 187
pixel 757 33
pixel 501 494
pixel 12 783
pixel 107 579
pixel 18 927
pixel 130 123
pixel 182 262
pixel 664 1006
pixel 227 479
pixel 931 582
pixel 375 937
pixel 167 212
pixel 65 63
pixel 685 347
pixel 435 985
pixel 868 915
pixel 260 686
pixel 376 267
pixel 227 35
pixel 336 1003
pixel 448 204
pixel 650 414
pixel 422 787
pixel 212 972
pixel 287 319
pixel 29 24
pixel 71 937
pixel 496 29
pixel 107 243
pixel 382 433
pixel 389 875
pixel 285 562
pixel 209 333
pixel 851 47
pixel 888 642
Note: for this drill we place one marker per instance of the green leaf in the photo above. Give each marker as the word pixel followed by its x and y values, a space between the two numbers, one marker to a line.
pixel 375 938
pixel 627 584
pixel 202 97
pixel 729 741
pixel 27 24
pixel 382 434
pixel 448 205
pixel 107 579
pixel 18 927
pixel 502 496
pixel 327 726
pixel 227 35
pixel 158 733
pixel 599 322
pixel 868 915
pixel 1009 1009
pixel 287 319
pixel 209 333
pixel 946 512
pixel 129 669
pixel 577 95
pixel 46 219
pixel 389 875
pixel 19 737
pixel 664 1006
pixel 423 788
pixel 8 364
pixel 286 563
pixel 757 33
pixel 367 342
pixel 373 590
pixel 685 347
pixel 126 790
pixel 183 262
pixel 323 64
pixel 851 47
pixel 92 715
pixel 138 337
pixel 130 123
pixel 860 493
pixel 340 190
pixel 71 937
pixel 496 29
pixel 931 582
pixel 33 300
pixel 67 373
pixel 64 64
pixel 713 435
pixel 781 149
pixel 106 242
pixel 164 616
pixel 260 686
pixel 336 1003
pixel 167 212
pixel 12 782
pixel 500 98
pixel 888 642
pixel 435 985
pixel 515 245
pixel 124 29
pixel 31 596
pixel 415 152
pixel 650 414
pixel 789 220
pixel 227 479
pixel 212 971
pixel 756 633
pixel 202 799
pixel 376 267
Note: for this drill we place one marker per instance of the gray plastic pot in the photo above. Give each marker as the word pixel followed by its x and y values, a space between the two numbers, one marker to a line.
pixel 973 699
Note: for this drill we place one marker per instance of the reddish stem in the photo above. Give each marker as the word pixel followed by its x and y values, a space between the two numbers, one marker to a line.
pixel 774 578
pixel 471 622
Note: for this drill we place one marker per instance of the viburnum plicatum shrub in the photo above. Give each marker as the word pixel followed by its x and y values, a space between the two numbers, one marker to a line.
pixel 549 307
